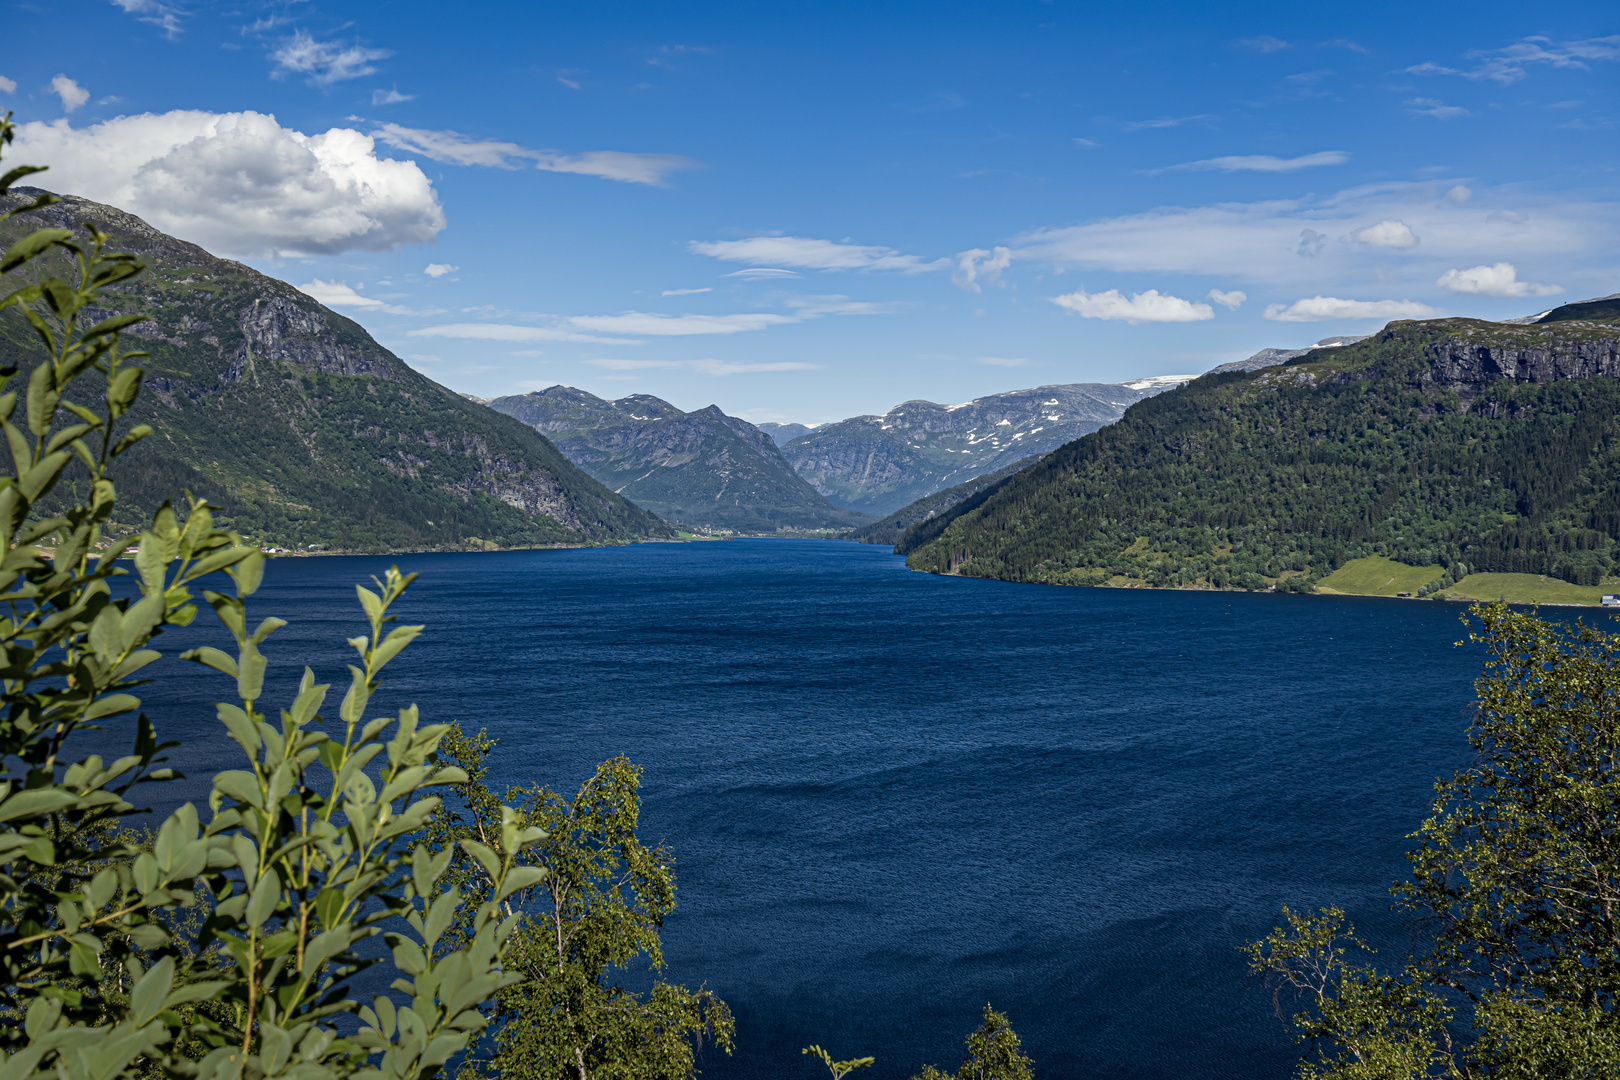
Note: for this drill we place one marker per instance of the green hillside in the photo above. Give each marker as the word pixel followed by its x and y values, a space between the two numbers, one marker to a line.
pixel 304 429
pixel 889 530
pixel 1430 443
pixel 1378 576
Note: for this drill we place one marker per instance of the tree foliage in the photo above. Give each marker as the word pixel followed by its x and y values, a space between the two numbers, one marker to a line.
pixel 994 1053
pixel 307 849
pixel 596 912
pixel 1515 880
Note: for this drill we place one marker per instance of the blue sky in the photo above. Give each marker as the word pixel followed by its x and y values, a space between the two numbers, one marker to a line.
pixel 806 211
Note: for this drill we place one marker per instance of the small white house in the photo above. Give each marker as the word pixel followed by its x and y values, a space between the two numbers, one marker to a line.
pixel 1611 600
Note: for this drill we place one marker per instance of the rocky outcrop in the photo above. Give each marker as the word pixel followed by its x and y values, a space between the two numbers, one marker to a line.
pixel 1468 367
pixel 282 329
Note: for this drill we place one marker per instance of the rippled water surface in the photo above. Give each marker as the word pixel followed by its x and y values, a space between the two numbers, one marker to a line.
pixel 894 797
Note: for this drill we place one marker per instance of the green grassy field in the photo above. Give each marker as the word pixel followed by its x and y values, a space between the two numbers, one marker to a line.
pixel 1527 589
pixel 1378 576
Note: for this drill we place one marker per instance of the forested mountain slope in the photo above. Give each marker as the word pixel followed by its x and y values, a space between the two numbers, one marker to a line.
pixel 704 468
pixel 878 464
pixel 1451 440
pixel 303 428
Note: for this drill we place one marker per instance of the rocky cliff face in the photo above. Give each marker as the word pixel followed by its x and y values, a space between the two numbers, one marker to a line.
pixel 306 430
pixel 703 468
pixel 878 464
pixel 1468 367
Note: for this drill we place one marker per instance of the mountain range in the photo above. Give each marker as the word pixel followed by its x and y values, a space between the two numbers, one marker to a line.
pixel 1495 445
pixel 703 469
pixel 879 464
pixel 304 429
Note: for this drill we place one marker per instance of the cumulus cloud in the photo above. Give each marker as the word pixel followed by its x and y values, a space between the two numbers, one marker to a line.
pixel 1263 162
pixel 1436 108
pixel 1150 306
pixel 508 332
pixel 1233 299
pixel 808 254
pixel 1322 308
pixel 8 85
pixel 438 270
pixel 72 94
pixel 979 263
pixel 1501 279
pixel 240 183
pixel 155 12
pixel 325 62
pixel 1386 234
pixel 1507 66
pixel 454 148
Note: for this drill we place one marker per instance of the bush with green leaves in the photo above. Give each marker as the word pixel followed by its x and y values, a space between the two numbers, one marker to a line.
pixel 1514 887
pixel 307 850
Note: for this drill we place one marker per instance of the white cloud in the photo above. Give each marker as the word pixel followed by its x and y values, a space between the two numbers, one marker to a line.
pixel 1322 308
pixel 979 263
pixel 454 148
pixel 1233 299
pixel 688 292
pixel 154 12
pixel 325 62
pixel 240 183
pixel 508 332
pixel 705 367
pixel 1436 108
pixel 1502 279
pixel 1459 194
pixel 756 273
pixel 1264 162
pixel 1004 361
pixel 808 254
pixel 1165 122
pixel 809 307
pixel 390 97
pixel 1150 306
pixel 336 294
pixel 8 85
pixel 1263 241
pixel 72 94
pixel 1386 234
pixel 1265 43
pixel 652 325
pixel 1507 66
pixel 438 270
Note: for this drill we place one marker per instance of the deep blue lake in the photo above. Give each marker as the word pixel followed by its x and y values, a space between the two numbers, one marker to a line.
pixel 893 797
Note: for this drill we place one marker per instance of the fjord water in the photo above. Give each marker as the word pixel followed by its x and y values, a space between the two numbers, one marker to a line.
pixel 893 797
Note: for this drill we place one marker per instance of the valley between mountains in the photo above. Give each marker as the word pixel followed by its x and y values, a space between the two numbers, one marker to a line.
pixel 1473 455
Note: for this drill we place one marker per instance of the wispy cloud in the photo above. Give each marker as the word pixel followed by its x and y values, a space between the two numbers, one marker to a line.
pixel 337 294
pixel 1436 108
pixel 165 16
pixel 1150 306
pixel 1507 66
pixel 808 254
pixel 1323 308
pixel 762 273
pixel 1262 163
pixel 390 97
pixel 653 325
pixel 325 62
pixel 1501 279
pixel 509 332
pixel 704 367
pixel 1166 122
pixel 454 148
pixel 687 292
pixel 1265 43
pixel 977 264
pixel 1004 361
pixel 1232 300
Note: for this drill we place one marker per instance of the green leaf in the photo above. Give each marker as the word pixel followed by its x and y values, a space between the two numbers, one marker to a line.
pixel 486 858
pixel 148 996
pixel 31 246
